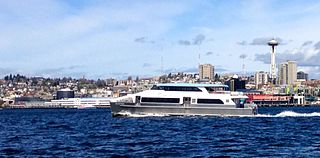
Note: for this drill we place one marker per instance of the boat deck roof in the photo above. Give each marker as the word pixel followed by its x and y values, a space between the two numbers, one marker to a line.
pixel 192 85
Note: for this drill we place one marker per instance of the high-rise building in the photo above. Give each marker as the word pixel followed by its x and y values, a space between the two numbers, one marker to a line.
pixel 206 71
pixel 282 74
pixel 261 78
pixel 302 75
pixel 287 73
pixel 292 72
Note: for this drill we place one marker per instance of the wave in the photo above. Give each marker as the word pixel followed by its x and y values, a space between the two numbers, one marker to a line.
pixel 295 114
pixel 282 114
pixel 290 114
pixel 142 115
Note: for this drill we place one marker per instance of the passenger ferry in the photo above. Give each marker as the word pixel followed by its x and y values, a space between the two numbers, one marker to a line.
pixel 184 99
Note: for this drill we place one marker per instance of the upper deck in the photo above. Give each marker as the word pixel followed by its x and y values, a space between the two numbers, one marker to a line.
pixel 190 87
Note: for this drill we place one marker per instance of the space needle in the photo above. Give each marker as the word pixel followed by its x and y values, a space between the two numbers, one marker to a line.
pixel 273 43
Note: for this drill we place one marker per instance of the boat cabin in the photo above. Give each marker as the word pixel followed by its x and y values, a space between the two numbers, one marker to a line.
pixel 186 87
pixel 189 98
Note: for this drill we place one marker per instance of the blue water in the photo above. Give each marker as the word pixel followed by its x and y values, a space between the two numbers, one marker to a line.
pixel 94 133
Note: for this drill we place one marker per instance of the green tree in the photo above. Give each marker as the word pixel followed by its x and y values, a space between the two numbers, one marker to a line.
pixel 216 77
pixel 100 83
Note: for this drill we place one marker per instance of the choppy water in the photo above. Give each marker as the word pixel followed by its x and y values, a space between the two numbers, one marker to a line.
pixel 278 132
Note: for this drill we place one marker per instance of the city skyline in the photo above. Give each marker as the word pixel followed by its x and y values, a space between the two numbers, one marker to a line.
pixel 100 39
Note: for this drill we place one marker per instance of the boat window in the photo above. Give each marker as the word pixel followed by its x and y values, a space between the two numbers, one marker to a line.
pixel 210 101
pixel 210 89
pixel 178 88
pixel 154 87
pixel 215 89
pixel 160 100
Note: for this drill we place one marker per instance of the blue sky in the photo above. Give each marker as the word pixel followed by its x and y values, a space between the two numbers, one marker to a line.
pixel 102 39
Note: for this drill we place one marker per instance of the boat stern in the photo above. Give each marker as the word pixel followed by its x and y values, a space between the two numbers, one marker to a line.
pixel 253 107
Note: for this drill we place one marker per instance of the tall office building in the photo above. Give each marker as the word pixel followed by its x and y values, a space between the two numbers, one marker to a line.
pixel 292 72
pixel 287 73
pixel 282 74
pixel 206 71
pixel 261 78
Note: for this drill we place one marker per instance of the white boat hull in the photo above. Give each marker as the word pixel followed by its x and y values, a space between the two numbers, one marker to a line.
pixel 120 108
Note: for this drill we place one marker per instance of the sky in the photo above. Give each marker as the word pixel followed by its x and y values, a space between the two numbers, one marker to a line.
pixel 120 38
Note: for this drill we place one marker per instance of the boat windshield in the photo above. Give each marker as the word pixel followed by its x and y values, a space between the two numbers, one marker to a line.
pixel 216 89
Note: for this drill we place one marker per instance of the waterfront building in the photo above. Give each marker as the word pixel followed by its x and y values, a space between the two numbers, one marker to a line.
pixel 276 100
pixel 261 78
pixel 236 84
pixel 206 71
pixel 302 76
pixel 287 73
pixel 77 102
pixel 65 93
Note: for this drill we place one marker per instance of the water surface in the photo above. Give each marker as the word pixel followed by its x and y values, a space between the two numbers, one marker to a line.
pixel 278 132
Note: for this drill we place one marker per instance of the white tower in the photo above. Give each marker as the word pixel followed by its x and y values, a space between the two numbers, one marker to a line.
pixel 273 43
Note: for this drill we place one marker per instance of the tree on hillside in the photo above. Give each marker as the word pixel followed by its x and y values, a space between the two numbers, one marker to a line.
pixel 216 77
pixel 101 83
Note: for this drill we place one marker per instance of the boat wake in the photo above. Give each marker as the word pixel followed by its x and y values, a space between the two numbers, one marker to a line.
pixel 282 114
pixel 141 115
pixel 290 114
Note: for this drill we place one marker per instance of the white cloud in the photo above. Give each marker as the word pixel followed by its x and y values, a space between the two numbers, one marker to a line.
pixel 50 32
pixel 99 34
